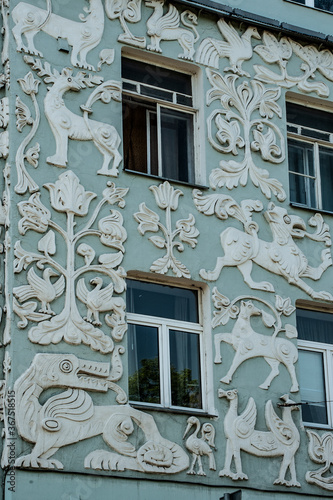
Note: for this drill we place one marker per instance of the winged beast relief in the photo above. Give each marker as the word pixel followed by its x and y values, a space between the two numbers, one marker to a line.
pixel 280 256
pixel 282 439
pixel 235 47
pixel 71 416
pixel 250 344
pixel 67 125
pixel 162 26
pixel 81 36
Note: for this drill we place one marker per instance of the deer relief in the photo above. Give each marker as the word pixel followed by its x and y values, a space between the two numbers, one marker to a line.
pixel 67 125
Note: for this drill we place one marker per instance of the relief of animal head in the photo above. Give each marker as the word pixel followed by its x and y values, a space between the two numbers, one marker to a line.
pixel 230 395
pixel 284 225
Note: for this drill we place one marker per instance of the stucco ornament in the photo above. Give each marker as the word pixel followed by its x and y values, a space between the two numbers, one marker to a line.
pixel 81 36
pixel 67 125
pixel 235 47
pixel 282 439
pixel 202 446
pixel 321 452
pixel 71 416
pixel 167 198
pixel 250 344
pixel 7 410
pixel 280 52
pixel 240 108
pixel 25 182
pixel 69 197
pixel 280 256
pixel 162 27
pixel 4 121
pixel 130 11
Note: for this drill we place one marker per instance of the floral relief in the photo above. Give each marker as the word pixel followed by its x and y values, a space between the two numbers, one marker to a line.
pixel 69 197
pixel 244 122
pixel 167 199
pixel 320 451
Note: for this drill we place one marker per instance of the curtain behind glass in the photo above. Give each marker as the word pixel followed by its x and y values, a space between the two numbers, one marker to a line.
pixel 315 326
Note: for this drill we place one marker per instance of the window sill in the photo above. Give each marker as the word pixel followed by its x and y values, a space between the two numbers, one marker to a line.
pixel 305 207
pixel 162 179
pixel 180 411
pixel 309 7
pixel 321 427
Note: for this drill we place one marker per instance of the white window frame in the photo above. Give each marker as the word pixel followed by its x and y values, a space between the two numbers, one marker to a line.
pixel 327 356
pixel 203 329
pixel 310 3
pixel 195 110
pixel 294 132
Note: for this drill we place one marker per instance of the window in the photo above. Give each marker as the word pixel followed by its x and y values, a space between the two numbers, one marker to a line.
pixel 310 155
pixel 317 4
pixel 158 121
pixel 164 345
pixel 315 333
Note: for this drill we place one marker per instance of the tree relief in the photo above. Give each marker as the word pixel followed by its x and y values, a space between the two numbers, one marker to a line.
pixel 281 51
pixel 320 451
pixel 69 197
pixel 167 199
pixel 245 122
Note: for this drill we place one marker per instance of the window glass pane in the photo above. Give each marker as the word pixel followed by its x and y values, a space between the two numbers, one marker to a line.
pixel 185 369
pixel 312 387
pixel 324 4
pixel 143 364
pixel 155 75
pixel 135 136
pixel 177 145
pixel 301 166
pixel 326 174
pixel 315 326
pixel 310 117
pixel 161 300
pixel 300 157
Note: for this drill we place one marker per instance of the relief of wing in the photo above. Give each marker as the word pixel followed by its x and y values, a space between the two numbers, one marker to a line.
pixel 169 21
pixel 37 283
pixel 106 298
pixel 59 286
pixel 82 291
pixel 24 292
pixel 282 431
pixel 245 423
pixel 229 33
pixel 208 434
pixel 210 51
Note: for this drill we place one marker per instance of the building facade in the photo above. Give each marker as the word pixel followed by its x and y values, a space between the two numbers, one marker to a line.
pixel 166 215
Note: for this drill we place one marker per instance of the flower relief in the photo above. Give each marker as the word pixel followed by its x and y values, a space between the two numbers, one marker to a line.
pixel 167 199
pixel 67 279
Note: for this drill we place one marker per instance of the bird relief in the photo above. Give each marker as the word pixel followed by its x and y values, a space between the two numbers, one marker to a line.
pixel 320 451
pixel 200 446
pixel 280 256
pixel 70 416
pixel 167 199
pixel 281 440
pixel 280 51
pixel 48 278
pixel 67 125
pixel 162 27
pixel 250 344
pixel 244 122
pixel 237 48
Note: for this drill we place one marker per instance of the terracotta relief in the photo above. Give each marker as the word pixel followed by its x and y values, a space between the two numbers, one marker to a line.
pixel 67 125
pixel 235 47
pixel 166 198
pixel 280 256
pixel 250 344
pixel 162 26
pixel 279 52
pixel 82 36
pixel 69 197
pixel 245 123
pixel 200 446
pixel 282 439
pixel 126 11
pixel 321 452
pixel 71 416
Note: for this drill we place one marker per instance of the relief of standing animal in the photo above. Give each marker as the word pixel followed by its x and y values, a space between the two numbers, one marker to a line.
pixel 282 439
pixel 166 27
pixel 280 256
pixel 82 36
pixel 249 344
pixel 200 446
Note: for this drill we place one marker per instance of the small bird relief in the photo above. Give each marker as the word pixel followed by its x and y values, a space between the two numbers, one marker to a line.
pixel 200 446
pixel 249 344
pixel 54 283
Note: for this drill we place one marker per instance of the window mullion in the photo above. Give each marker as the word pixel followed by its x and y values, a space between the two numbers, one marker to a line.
pixel 165 366
pixel 329 385
pixel 159 141
pixel 317 174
